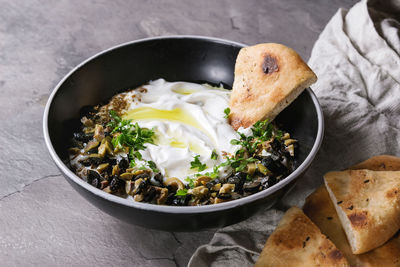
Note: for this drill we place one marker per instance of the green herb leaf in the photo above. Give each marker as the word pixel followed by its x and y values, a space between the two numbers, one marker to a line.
pixel 235 142
pixel 142 167
pixel 115 119
pixel 262 130
pixel 138 155
pixel 279 135
pixel 132 163
pixel 227 111
pixel 181 192
pixel 196 164
pixel 248 177
pixel 214 155
pixel 132 136
pixel 190 181
pixel 114 115
pixel 153 166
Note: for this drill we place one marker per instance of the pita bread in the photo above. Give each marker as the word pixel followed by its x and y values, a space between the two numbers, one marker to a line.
pixel 268 77
pixel 368 205
pixel 379 163
pixel 319 208
pixel 296 241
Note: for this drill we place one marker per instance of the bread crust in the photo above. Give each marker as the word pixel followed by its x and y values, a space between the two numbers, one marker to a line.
pixel 319 208
pixel 379 163
pixel 368 205
pixel 296 241
pixel 268 77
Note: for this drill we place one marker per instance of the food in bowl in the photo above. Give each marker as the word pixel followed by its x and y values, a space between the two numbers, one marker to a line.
pixel 176 144
pixel 171 143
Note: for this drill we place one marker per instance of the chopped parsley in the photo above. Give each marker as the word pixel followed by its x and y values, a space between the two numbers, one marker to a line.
pixel 196 164
pixel 262 131
pixel 153 166
pixel 214 155
pixel 131 136
pixel 190 181
pixel 238 163
pixel 227 111
pixel 181 192
pixel 249 145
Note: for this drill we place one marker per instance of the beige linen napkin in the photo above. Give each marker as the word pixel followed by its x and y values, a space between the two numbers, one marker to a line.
pixel 356 59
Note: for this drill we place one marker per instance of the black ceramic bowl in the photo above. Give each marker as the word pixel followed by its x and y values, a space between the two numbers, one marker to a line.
pixel 176 58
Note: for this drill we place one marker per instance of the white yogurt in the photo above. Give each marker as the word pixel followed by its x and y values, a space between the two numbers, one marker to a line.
pixel 188 120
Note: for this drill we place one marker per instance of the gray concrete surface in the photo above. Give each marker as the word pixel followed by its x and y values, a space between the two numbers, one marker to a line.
pixel 43 221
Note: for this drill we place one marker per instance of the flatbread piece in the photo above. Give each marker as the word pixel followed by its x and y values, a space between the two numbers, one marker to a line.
pixel 319 208
pixel 368 205
pixel 379 163
pixel 268 77
pixel 296 241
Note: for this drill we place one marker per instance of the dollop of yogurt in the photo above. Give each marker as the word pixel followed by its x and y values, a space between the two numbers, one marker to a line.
pixel 188 120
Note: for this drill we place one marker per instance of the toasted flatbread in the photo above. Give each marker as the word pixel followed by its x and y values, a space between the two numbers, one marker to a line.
pixel 368 205
pixel 268 77
pixel 319 208
pixel 379 163
pixel 296 241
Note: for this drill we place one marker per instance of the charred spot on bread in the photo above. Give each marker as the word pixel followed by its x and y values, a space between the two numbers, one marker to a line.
pixel 270 64
pixel 358 219
pixel 392 193
pixel 335 254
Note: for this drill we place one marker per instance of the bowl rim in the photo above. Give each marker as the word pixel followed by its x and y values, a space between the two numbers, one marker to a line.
pixel 176 209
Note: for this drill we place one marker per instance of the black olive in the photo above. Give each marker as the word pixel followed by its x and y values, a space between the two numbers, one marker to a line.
pixel 276 145
pixel 86 162
pixel 92 161
pixel 251 186
pixel 123 163
pixel 116 184
pixel 238 180
pixel 170 198
pixel 264 181
pixel 76 143
pixel 112 161
pixel 96 183
pixel 82 137
pixel 96 117
pixel 150 194
pixel 224 196
pixel 206 202
pixel 274 166
pixel 276 156
pixel 216 181
pixel 235 195
pixel 176 201
pixel 171 189
pixel 111 177
pixel 209 185
pixel 143 185
pixel 159 178
pixel 91 175
pixel 268 181
pixel 181 201
pixel 186 199
pixel 141 175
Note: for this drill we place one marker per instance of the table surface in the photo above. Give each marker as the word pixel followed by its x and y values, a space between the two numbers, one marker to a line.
pixel 43 221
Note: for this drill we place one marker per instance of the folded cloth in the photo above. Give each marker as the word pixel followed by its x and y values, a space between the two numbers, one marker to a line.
pixel 356 59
